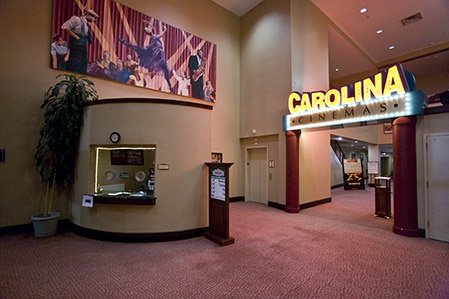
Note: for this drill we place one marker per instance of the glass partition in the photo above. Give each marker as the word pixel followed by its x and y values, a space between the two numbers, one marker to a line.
pixel 125 171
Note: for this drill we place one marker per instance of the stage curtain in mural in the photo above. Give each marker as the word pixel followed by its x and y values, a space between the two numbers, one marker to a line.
pixel 129 47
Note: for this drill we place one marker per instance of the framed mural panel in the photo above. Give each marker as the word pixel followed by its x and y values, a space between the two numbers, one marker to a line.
pixel 107 39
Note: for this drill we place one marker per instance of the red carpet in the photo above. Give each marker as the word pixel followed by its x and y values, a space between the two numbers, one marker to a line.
pixel 336 250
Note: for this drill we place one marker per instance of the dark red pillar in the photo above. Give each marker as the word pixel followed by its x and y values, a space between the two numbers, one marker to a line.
pixel 292 180
pixel 404 171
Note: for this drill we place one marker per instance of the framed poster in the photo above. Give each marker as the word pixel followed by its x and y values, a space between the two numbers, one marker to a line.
pixel 107 39
pixel 217 157
pixel 353 174
pixel 388 128
pixel 373 167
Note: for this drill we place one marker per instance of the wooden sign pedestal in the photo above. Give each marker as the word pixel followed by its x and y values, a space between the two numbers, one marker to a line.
pixel 218 231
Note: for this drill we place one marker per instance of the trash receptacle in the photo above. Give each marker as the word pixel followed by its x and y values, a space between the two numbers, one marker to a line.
pixel 383 197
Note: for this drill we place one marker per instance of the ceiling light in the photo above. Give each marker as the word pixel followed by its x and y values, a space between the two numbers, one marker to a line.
pixel 391 47
pixel 363 10
pixel 340 138
pixel 379 31
pixel 337 69
pixel 356 141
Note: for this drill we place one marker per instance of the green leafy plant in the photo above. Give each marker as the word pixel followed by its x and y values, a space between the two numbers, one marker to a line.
pixel 57 150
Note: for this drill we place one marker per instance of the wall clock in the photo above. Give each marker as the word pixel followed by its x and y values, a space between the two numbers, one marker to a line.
pixel 114 137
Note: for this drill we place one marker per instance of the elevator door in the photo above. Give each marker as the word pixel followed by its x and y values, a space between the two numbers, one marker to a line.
pixel 438 186
pixel 257 175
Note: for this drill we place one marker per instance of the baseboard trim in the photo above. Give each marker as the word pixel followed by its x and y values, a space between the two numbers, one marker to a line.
pixel 315 203
pixel 16 229
pixel 63 225
pixel 236 198
pixel 422 232
pixel 276 205
pixel 301 206
pixel 337 186
pixel 136 237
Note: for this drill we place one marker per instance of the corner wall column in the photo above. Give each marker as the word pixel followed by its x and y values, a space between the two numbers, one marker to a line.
pixel 404 170
pixel 292 167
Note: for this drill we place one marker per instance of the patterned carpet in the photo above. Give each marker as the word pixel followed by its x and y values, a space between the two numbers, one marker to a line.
pixel 336 250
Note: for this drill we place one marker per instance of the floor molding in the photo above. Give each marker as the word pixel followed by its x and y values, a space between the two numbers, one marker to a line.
pixel 136 237
pixel 236 198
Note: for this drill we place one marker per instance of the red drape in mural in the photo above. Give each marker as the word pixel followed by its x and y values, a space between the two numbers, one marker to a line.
pixel 130 47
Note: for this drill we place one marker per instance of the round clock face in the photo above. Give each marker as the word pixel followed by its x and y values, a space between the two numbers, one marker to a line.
pixel 109 175
pixel 114 137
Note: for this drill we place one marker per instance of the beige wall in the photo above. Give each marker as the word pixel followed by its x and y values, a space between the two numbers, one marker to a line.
pixel 314 166
pixel 284 48
pixel 181 143
pixel 310 60
pixel 25 76
pixel 265 69
pixel 265 76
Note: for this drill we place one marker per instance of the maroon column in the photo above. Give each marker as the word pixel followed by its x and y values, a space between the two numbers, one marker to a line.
pixel 292 180
pixel 404 170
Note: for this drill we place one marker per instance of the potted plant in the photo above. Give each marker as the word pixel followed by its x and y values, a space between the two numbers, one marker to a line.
pixel 58 144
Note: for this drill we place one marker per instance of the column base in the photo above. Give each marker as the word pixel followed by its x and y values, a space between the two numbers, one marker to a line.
pixel 406 232
pixel 292 210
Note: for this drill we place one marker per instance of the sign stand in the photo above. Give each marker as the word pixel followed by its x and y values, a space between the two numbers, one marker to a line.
pixel 353 174
pixel 219 204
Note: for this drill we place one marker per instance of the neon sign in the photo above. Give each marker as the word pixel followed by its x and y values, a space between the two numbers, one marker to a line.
pixel 386 95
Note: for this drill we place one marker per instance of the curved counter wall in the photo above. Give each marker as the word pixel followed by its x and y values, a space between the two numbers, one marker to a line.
pixel 181 132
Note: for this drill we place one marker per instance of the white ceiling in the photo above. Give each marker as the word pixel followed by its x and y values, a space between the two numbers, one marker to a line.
pixel 355 47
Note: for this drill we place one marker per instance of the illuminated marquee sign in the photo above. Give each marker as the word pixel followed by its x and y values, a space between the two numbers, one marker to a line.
pixel 384 96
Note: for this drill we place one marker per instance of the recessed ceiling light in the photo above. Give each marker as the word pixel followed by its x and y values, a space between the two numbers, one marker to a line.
pixel 379 31
pixel 337 69
pixel 391 47
pixel 363 10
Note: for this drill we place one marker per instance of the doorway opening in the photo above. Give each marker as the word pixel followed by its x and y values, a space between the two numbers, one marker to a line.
pixel 368 151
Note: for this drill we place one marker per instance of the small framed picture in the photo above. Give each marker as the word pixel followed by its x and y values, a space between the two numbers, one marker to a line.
pixel 217 157
pixel 388 128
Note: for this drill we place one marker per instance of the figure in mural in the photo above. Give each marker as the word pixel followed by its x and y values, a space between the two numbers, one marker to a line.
pixel 59 53
pixel 183 83
pixel 196 71
pixel 77 27
pixel 103 67
pixel 122 74
pixel 152 56
pixel 129 62
pixel 136 77
pixel 209 92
